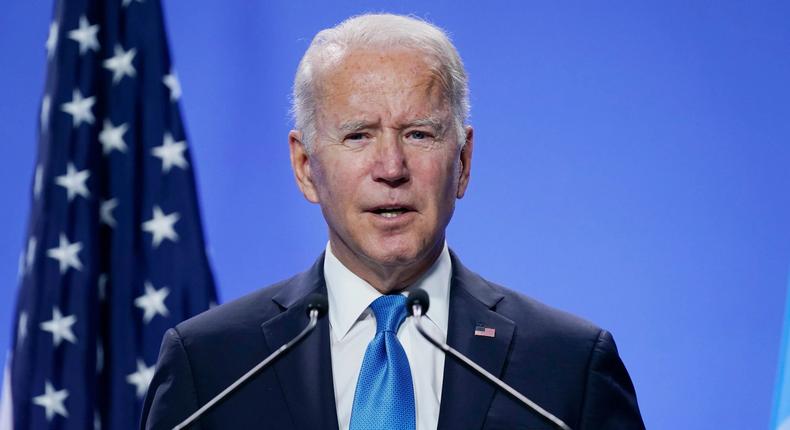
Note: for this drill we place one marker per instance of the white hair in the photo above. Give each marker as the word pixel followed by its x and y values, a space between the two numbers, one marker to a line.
pixel 378 31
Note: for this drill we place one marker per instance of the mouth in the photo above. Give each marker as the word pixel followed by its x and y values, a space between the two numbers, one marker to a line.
pixel 391 212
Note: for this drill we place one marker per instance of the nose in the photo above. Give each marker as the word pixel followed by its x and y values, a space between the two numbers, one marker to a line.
pixel 391 167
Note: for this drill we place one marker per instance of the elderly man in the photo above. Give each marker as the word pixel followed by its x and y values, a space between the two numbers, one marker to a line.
pixel 380 143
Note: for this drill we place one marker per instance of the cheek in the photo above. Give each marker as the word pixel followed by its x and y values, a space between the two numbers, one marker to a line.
pixel 439 176
pixel 445 170
pixel 339 179
pixel 324 180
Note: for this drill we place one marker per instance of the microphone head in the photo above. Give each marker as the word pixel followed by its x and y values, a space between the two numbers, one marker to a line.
pixel 417 296
pixel 318 302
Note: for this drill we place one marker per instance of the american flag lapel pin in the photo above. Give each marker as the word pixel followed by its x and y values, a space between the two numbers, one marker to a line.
pixel 482 330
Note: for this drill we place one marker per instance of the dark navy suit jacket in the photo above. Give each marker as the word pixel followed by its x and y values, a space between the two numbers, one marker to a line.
pixel 565 364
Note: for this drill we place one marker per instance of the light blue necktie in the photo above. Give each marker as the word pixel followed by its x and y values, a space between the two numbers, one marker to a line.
pixel 384 398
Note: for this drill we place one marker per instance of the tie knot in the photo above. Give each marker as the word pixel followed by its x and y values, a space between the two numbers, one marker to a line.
pixel 390 312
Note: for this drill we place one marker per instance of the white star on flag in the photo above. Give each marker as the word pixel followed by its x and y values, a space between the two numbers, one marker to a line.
pixel 128 2
pixel 121 64
pixel 102 286
pixel 21 329
pixel 111 137
pixel 46 105
pixel 74 182
pixel 171 153
pixel 79 108
pixel 141 379
pixel 152 302
pixel 161 226
pixel 52 39
pixel 85 35
pixel 38 181
pixel 67 254
pixel 52 401
pixel 99 356
pixel 105 211
pixel 171 82
pixel 30 253
pixel 60 327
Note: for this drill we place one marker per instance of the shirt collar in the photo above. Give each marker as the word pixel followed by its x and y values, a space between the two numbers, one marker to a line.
pixel 349 295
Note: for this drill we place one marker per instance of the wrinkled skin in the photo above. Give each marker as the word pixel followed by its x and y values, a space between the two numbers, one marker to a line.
pixel 385 142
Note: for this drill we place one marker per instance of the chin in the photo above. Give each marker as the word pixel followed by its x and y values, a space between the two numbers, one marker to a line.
pixel 398 252
pixel 392 257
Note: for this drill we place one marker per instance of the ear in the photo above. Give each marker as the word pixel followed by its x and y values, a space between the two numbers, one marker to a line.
pixel 466 162
pixel 300 163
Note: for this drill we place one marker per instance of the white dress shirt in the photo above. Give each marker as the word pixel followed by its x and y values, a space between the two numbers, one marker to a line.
pixel 353 326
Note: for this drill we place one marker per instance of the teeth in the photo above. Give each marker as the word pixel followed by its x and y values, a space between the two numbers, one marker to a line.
pixel 390 212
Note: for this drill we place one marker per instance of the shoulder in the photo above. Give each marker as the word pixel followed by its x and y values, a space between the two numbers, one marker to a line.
pixel 202 355
pixel 523 310
pixel 246 314
pixel 566 363
pixel 241 315
pixel 227 337
pixel 550 330
pixel 542 317
pixel 556 332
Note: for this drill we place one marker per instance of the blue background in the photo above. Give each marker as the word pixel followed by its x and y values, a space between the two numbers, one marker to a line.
pixel 632 165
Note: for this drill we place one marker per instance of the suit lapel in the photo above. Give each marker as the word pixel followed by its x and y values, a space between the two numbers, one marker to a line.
pixel 466 397
pixel 304 372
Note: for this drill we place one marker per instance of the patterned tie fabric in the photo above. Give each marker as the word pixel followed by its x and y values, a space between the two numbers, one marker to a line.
pixel 384 398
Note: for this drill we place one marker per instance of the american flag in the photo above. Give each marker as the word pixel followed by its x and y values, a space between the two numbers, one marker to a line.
pixel 482 330
pixel 114 252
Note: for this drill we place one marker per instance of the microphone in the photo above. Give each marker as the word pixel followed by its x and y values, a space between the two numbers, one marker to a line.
pixel 417 305
pixel 317 306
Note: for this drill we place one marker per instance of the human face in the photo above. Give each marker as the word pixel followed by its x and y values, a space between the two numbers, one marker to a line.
pixel 386 166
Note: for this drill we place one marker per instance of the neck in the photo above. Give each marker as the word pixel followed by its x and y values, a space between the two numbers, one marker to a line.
pixel 386 278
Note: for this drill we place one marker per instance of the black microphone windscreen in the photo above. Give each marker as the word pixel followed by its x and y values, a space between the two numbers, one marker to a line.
pixel 318 302
pixel 417 296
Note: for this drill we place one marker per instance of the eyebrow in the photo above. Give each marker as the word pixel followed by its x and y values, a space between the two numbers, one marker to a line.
pixel 426 122
pixel 356 125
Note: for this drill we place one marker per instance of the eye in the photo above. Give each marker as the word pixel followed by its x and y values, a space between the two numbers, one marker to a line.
pixel 356 140
pixel 355 136
pixel 418 134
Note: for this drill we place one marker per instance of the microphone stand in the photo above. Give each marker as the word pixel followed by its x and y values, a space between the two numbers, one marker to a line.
pixel 417 312
pixel 314 315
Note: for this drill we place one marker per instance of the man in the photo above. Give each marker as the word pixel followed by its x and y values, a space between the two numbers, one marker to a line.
pixel 380 144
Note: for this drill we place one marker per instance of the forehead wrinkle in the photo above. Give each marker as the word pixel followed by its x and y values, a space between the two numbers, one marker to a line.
pixel 360 88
